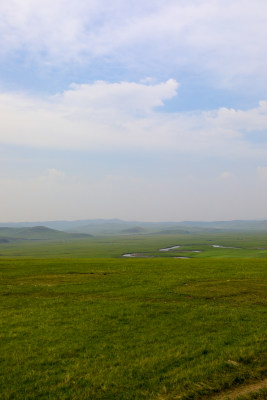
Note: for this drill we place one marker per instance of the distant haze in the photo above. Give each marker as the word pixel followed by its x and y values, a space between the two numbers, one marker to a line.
pixel 40 229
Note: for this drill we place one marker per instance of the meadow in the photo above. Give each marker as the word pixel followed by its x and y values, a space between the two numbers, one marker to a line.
pixel 248 245
pixel 79 321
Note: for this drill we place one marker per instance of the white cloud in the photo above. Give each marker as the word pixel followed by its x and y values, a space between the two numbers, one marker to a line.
pixel 254 119
pixel 262 173
pixel 226 37
pixel 124 115
pixel 55 173
pixel 129 97
pixel 86 116
pixel 226 175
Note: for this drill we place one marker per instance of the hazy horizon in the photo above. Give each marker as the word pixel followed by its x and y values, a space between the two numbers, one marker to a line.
pixel 131 221
pixel 152 111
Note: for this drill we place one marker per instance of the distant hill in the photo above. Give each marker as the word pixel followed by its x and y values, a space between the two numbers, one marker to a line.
pixel 120 227
pixel 8 234
pixel 237 225
pixel 57 225
pixel 62 225
pixel 103 227
pixel 173 231
pixel 134 229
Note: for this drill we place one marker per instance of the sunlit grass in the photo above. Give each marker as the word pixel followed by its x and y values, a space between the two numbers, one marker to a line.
pixel 130 328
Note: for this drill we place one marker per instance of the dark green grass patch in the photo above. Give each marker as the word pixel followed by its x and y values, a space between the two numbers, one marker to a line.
pixel 128 329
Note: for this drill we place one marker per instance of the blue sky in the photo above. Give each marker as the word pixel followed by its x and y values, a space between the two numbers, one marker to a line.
pixel 151 110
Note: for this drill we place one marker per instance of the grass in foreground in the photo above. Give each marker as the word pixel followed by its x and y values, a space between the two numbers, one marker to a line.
pixel 130 329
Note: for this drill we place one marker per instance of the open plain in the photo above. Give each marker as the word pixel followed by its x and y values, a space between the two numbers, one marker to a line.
pixel 79 321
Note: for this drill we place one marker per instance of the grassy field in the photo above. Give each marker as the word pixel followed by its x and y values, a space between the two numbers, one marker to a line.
pixel 131 329
pixel 246 245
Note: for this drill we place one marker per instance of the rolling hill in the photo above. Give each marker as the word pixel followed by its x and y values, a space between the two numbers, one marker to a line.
pixel 8 234
pixel 119 227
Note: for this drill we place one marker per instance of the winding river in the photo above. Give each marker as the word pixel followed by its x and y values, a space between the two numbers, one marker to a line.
pixel 170 248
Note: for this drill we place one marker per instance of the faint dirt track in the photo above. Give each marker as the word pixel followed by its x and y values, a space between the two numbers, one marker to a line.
pixel 241 391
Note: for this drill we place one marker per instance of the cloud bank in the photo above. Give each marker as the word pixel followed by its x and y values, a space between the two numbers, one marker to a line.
pixel 127 115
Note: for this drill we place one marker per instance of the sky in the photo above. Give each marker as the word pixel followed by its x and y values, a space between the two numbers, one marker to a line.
pixel 149 110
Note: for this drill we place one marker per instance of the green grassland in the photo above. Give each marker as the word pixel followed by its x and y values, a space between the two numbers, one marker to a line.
pixel 246 245
pixel 78 321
